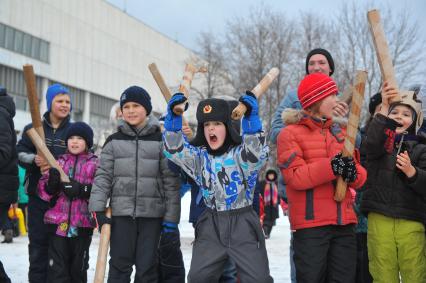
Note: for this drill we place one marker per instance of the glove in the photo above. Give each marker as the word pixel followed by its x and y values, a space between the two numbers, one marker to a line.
pixel 54 183
pixel 350 172
pixel 101 219
pixel 345 167
pixel 72 189
pixel 251 123
pixel 173 122
pixel 169 227
pixel 85 190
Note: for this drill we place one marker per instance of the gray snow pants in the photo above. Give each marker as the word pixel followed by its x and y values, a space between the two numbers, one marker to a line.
pixel 235 234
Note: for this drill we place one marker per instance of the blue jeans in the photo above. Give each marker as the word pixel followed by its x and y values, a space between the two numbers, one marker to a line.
pixel 229 274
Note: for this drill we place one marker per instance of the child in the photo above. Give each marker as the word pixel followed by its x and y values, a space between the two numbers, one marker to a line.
pixel 309 154
pixel 395 195
pixel 56 122
pixel 69 222
pixel 226 172
pixel 269 201
pixel 143 192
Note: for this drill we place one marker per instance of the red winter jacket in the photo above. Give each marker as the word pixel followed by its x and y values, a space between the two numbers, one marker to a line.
pixel 305 148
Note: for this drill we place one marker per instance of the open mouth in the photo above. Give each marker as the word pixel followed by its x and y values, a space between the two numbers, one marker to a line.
pixel 212 138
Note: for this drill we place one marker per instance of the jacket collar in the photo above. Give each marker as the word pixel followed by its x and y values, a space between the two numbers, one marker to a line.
pixel 46 118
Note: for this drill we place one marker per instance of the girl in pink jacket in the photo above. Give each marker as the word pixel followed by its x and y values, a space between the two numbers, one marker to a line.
pixel 69 220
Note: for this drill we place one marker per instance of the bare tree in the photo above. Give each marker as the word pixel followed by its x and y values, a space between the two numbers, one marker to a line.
pixel 211 55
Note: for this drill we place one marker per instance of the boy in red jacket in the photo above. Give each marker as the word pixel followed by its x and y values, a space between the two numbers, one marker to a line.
pixel 309 155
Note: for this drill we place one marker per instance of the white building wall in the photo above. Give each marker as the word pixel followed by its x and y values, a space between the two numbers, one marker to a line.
pixel 94 46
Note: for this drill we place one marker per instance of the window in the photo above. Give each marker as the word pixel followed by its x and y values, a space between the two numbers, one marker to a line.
pixel 18 42
pixel 24 43
pixel 13 81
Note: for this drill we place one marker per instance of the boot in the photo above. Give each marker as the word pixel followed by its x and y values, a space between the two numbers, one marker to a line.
pixel 8 236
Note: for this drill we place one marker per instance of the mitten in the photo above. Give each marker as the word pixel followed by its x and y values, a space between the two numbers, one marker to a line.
pixel 101 219
pixel 72 189
pixel 169 227
pixel 251 123
pixel 54 184
pixel 173 122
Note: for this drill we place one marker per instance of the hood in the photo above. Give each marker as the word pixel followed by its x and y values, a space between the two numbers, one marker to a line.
pixel 152 125
pixel 292 116
pixel 7 103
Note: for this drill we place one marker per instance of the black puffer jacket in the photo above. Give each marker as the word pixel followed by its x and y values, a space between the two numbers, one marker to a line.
pixel 9 181
pixel 55 142
pixel 389 191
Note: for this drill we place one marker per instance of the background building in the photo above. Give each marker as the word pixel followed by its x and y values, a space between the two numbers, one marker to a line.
pixel 92 47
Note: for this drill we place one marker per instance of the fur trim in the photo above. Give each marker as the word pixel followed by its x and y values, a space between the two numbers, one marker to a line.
pixel 293 116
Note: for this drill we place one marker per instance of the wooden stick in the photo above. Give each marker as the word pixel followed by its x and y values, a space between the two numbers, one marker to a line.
pixel 160 81
pixel 163 88
pixel 382 50
pixel 30 81
pixel 352 129
pixel 185 85
pixel 101 261
pixel 42 148
pixel 258 90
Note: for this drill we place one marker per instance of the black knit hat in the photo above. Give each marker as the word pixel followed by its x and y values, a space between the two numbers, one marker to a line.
pixel 138 95
pixel 374 101
pixel 81 129
pixel 322 52
pixel 214 109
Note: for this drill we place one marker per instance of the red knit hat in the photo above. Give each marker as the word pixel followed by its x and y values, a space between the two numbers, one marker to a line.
pixel 315 87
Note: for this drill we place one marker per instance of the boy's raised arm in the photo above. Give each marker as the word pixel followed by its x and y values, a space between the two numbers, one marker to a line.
pixel 176 147
pixel 253 151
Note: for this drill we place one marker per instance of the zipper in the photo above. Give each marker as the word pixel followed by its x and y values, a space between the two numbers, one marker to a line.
pixel 71 201
pixel 136 174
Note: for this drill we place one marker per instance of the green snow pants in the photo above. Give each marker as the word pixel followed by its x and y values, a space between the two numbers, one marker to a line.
pixel 396 247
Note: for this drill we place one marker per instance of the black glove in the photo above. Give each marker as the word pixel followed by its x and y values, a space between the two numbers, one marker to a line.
pixel 54 183
pixel 85 190
pixel 72 189
pixel 350 172
pixel 101 219
pixel 345 167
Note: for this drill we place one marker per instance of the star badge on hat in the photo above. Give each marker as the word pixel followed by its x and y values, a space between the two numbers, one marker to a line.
pixel 207 109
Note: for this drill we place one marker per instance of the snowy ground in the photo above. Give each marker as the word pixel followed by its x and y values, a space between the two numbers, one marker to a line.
pixel 15 256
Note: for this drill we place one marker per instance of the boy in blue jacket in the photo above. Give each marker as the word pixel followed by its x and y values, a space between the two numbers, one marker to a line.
pixel 226 170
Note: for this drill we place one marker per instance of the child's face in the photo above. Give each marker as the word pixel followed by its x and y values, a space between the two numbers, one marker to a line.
pixel 76 145
pixel 270 176
pixel 215 134
pixel 134 113
pixel 61 106
pixel 403 115
pixel 327 106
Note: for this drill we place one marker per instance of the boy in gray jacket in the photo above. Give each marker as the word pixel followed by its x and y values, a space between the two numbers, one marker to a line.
pixel 225 167
pixel 143 192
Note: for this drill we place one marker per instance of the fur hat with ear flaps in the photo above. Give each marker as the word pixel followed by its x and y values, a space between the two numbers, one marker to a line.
pixel 214 109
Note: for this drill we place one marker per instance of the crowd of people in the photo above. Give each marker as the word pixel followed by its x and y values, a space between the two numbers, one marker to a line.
pixel 375 234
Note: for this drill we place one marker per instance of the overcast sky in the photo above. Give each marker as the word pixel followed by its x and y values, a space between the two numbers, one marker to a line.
pixel 183 20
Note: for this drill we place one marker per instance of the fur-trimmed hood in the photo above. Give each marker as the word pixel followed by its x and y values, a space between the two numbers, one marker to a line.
pixel 292 116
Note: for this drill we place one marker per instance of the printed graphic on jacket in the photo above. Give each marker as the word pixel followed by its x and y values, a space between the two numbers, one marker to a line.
pixel 227 181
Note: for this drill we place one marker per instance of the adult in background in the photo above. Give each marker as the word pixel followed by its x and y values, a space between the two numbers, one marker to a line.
pixel 9 181
pixel 56 122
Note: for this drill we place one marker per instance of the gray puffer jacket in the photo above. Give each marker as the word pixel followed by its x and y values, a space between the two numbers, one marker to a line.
pixel 134 173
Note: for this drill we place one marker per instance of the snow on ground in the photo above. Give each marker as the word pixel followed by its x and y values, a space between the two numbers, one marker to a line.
pixel 15 256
